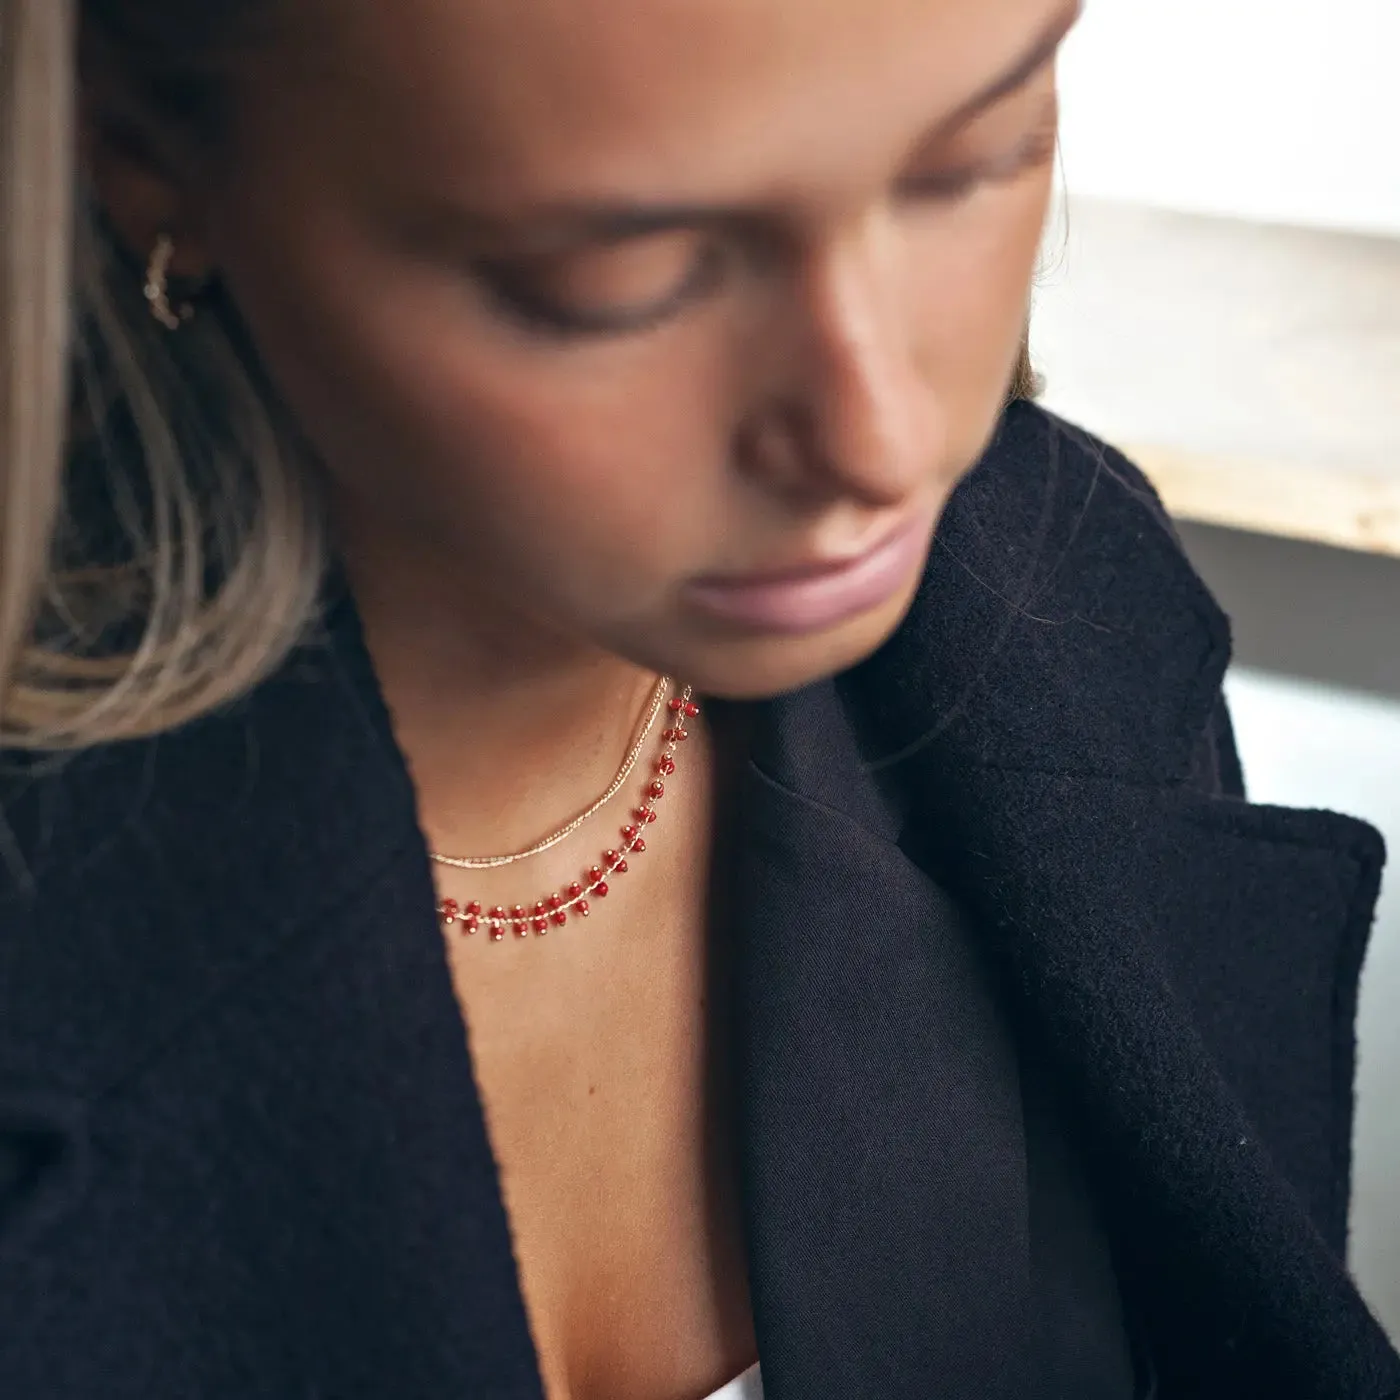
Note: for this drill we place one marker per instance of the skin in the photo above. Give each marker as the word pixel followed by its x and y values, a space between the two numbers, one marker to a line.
pixel 521 509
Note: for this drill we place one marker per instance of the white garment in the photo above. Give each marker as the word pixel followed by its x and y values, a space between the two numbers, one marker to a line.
pixel 749 1386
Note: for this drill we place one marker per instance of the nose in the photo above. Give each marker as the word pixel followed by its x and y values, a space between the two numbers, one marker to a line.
pixel 849 414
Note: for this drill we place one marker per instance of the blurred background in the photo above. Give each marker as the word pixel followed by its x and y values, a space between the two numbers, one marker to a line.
pixel 1221 298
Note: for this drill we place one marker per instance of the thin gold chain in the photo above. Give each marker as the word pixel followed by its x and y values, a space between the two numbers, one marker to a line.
pixel 658 699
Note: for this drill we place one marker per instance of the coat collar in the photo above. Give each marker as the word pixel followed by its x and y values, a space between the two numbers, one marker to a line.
pixel 236 926
pixel 1045 734
pixel 1050 717
pixel 876 1077
pixel 1059 627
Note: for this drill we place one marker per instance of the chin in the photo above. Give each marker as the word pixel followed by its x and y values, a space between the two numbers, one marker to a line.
pixel 758 667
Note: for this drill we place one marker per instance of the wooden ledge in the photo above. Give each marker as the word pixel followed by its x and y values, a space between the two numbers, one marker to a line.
pixel 1253 372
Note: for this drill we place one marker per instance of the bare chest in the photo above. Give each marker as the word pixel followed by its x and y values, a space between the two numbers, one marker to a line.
pixel 607 1098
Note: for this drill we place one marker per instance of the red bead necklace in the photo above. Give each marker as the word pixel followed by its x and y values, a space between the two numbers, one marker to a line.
pixel 556 908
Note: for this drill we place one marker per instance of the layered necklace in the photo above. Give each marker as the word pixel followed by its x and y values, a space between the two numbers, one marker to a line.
pixel 574 901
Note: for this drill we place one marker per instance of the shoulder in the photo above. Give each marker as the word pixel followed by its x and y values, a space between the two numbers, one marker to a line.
pixel 1027 431
pixel 138 880
pixel 1059 623
pixel 1051 508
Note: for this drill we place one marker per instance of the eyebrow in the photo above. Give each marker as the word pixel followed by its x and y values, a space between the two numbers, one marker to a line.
pixel 580 222
pixel 1045 47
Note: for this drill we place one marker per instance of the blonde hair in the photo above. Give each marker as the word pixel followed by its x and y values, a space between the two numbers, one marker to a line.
pixel 162 544
pixel 161 540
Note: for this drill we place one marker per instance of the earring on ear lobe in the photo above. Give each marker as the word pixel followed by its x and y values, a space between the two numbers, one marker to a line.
pixel 157 288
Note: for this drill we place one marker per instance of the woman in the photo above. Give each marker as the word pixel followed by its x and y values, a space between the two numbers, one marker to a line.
pixel 520 395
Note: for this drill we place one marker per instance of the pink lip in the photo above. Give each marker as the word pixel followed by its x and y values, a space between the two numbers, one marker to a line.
pixel 814 596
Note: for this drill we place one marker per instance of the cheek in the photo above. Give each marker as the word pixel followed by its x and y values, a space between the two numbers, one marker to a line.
pixel 618 457
pixel 481 441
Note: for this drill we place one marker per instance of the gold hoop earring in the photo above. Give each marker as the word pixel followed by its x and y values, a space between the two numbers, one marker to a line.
pixel 157 288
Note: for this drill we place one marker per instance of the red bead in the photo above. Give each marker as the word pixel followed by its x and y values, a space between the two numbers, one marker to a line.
pixel 666 765
pixel 474 909
pixel 602 890
pixel 657 789
pixel 676 705
pixel 498 914
pixel 575 890
pixel 646 814
pixel 449 909
pixel 497 933
pixel 610 857
pixel 639 845
pixel 682 735
pixel 582 907
pixel 670 735
pixel 595 874
pixel 517 911
pixel 555 901
pixel 470 924
pixel 540 909
pixel 541 925
pixel 691 710
pixel 630 832
pixel 560 918
pixel 621 867
pixel 520 928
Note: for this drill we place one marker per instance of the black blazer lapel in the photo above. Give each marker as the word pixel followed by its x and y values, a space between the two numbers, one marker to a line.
pixel 235 1092
pixel 1131 929
pixel 1189 962
pixel 882 1140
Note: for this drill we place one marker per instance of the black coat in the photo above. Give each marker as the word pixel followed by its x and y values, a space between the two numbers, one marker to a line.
pixel 241 1153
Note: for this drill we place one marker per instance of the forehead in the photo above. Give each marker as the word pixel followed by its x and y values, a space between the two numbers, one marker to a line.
pixel 527 95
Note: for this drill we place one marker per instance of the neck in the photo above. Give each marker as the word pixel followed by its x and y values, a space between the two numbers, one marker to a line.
pixel 508 727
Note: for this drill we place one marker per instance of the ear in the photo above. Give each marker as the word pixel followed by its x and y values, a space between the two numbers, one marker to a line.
pixel 141 167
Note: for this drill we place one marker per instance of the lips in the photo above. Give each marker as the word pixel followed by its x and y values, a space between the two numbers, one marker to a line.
pixel 813 596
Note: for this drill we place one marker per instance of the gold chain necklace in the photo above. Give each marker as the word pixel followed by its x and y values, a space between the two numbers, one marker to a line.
pixel 648 723
pixel 556 908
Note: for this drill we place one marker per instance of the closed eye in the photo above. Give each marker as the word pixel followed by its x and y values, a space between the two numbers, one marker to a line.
pixel 951 186
pixel 628 286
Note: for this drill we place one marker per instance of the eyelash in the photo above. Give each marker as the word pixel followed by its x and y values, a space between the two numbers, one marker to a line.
pixel 538 316
pixel 1032 153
